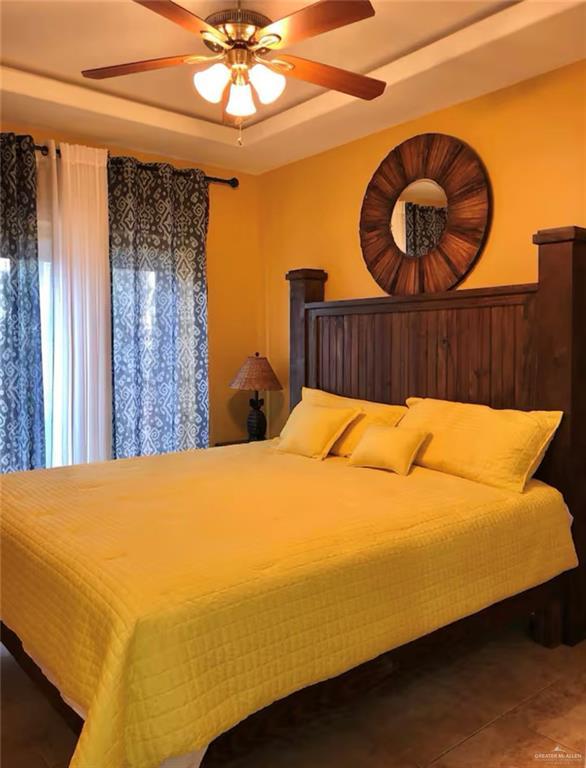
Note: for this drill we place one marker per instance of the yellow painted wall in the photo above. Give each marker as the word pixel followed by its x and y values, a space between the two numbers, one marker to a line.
pixel 235 286
pixel 532 139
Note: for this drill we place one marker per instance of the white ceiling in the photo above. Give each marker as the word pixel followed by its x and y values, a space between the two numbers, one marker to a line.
pixel 431 53
pixel 59 39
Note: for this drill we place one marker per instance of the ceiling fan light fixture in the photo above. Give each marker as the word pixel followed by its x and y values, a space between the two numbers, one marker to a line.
pixel 240 102
pixel 268 84
pixel 244 41
pixel 211 82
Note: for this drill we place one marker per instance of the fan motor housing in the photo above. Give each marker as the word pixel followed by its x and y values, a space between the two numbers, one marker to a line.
pixel 236 23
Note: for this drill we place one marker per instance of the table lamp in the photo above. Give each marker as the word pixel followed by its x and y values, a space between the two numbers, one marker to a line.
pixel 256 374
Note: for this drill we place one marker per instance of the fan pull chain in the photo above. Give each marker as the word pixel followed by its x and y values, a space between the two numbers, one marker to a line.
pixel 239 140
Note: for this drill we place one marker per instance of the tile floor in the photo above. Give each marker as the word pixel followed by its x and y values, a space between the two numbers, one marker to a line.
pixel 504 703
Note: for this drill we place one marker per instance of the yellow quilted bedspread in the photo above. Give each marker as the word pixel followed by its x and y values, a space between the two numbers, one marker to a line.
pixel 169 597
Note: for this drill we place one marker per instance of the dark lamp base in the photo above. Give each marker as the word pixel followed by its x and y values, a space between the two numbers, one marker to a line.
pixel 256 423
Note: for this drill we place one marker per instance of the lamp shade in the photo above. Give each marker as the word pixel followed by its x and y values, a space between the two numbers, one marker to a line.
pixel 268 84
pixel 212 82
pixel 256 374
pixel 240 101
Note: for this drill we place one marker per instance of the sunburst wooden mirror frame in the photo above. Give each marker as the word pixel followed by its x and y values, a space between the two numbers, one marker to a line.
pixel 458 170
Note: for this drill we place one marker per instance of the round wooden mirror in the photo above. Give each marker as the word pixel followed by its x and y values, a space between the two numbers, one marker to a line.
pixel 425 215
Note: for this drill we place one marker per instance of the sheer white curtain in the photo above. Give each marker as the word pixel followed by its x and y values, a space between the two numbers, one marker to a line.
pixel 72 210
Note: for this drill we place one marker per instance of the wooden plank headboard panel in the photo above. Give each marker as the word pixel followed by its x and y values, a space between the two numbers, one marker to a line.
pixel 520 346
pixel 473 346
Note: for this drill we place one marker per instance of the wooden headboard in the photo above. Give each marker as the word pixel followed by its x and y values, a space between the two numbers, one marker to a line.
pixel 520 346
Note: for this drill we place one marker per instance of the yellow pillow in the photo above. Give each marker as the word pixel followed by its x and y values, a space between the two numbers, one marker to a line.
pixel 311 430
pixel 496 447
pixel 383 447
pixel 372 413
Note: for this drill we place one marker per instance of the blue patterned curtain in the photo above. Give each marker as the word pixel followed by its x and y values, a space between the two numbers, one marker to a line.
pixel 22 433
pixel 158 228
pixel 424 227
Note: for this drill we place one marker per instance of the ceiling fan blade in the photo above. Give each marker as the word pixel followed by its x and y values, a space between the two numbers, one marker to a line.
pixel 145 66
pixel 181 16
pixel 314 20
pixel 330 77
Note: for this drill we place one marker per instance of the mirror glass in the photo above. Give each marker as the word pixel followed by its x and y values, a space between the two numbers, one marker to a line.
pixel 419 217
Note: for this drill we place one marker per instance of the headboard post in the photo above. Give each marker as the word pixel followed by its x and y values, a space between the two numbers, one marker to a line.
pixel 305 285
pixel 561 384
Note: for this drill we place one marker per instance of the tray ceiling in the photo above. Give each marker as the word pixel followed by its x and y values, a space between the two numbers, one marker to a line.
pixel 59 39
pixel 432 53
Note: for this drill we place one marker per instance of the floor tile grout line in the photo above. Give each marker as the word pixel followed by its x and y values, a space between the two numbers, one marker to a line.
pixel 581 750
pixel 489 723
pixel 559 743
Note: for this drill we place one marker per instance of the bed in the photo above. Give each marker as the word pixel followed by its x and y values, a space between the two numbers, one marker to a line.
pixel 326 566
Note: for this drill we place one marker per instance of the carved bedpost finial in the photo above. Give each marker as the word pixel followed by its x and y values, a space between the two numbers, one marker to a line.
pixel 561 378
pixel 305 285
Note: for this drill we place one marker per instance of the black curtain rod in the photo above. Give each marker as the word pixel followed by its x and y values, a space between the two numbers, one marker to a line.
pixel 233 182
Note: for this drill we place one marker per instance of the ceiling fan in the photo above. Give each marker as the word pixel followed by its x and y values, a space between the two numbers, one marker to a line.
pixel 244 69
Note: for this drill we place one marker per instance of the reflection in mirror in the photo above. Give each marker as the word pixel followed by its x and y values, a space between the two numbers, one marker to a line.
pixel 419 217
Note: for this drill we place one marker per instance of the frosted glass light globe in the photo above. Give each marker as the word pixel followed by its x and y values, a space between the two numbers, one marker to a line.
pixel 268 84
pixel 210 83
pixel 240 103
